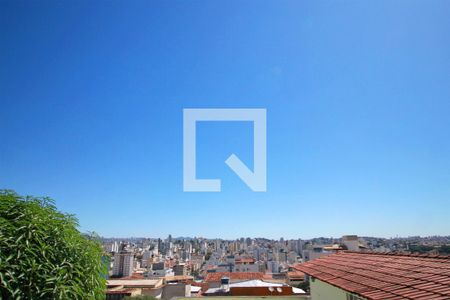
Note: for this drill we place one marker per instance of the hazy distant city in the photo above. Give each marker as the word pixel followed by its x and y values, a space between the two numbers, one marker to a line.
pixel 210 263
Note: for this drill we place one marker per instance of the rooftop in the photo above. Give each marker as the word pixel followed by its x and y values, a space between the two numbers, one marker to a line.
pixel 178 278
pixel 135 282
pixel 255 283
pixel 294 297
pixel 244 260
pixel 214 277
pixel 384 276
pixel 295 275
pixel 256 288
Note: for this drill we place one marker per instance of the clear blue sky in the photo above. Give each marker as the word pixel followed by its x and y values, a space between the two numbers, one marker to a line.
pixel 358 111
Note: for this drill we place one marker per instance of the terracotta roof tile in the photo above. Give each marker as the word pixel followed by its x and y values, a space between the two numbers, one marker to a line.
pixel 384 276
pixel 295 274
pixel 216 276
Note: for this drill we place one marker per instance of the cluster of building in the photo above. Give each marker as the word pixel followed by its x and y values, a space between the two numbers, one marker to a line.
pixel 319 269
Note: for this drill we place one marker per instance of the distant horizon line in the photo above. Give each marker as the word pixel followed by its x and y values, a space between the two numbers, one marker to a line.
pixel 272 239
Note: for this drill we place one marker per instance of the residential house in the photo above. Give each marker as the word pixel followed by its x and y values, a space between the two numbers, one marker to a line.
pixel 350 275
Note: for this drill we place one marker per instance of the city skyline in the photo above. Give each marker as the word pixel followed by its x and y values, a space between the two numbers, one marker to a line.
pixel 356 99
pixel 181 238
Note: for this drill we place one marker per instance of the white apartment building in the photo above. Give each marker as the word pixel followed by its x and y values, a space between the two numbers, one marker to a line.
pixel 123 264
pixel 246 265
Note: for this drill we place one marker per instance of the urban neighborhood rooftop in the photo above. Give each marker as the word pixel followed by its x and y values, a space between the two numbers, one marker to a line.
pixel 384 276
pixel 217 276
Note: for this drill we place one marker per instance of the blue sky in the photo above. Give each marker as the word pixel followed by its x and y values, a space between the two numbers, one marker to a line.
pixel 357 96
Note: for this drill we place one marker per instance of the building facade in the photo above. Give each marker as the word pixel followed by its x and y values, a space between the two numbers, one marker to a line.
pixel 123 264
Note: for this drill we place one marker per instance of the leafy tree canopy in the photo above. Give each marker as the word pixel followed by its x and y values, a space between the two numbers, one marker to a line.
pixel 43 255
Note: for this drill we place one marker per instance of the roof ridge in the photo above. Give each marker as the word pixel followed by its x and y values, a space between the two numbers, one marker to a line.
pixel 396 253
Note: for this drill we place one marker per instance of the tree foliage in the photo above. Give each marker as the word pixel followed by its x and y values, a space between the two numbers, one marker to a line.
pixel 304 285
pixel 43 255
pixel 442 249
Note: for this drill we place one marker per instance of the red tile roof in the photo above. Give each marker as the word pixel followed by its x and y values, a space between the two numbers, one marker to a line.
pixel 296 275
pixel 244 260
pixel 295 267
pixel 133 276
pixel 384 276
pixel 216 276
